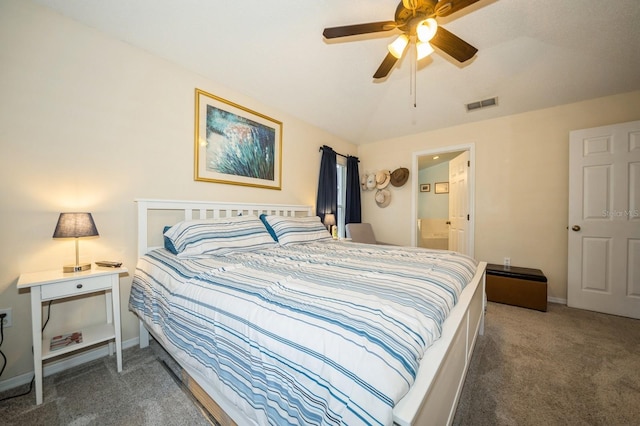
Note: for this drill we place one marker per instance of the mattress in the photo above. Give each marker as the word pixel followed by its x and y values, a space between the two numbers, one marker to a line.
pixel 318 333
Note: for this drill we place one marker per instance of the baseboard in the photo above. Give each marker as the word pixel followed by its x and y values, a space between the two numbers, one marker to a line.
pixel 557 300
pixel 64 364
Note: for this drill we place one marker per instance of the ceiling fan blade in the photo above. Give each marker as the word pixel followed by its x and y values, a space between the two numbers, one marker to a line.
pixel 453 45
pixel 386 65
pixel 349 30
pixel 447 7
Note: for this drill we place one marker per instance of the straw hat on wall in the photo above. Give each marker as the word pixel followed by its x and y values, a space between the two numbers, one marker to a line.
pixel 383 177
pixel 383 198
pixel 399 176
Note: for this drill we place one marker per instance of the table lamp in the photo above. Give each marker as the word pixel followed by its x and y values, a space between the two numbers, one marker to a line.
pixel 329 220
pixel 330 223
pixel 75 225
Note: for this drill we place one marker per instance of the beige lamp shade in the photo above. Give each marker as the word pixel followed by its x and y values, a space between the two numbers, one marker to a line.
pixel 329 220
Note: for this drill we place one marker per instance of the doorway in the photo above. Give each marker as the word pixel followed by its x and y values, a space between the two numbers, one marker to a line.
pixel 430 208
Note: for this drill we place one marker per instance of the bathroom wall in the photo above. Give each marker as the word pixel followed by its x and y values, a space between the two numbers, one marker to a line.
pixel 433 209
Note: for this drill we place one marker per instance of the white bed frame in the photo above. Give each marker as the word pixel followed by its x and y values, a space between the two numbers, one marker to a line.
pixel 433 398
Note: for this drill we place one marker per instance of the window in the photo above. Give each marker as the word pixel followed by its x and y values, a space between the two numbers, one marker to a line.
pixel 341 170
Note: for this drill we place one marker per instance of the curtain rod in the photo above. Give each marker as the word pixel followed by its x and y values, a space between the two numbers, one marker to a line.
pixel 337 153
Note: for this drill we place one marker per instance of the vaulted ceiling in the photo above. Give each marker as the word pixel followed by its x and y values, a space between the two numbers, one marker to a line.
pixel 532 54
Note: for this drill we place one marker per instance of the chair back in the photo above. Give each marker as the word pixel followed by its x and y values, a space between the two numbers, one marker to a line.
pixel 361 233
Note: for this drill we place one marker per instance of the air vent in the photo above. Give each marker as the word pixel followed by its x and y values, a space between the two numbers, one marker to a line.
pixel 482 104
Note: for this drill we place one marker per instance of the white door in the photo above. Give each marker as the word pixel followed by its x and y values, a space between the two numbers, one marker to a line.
pixel 459 203
pixel 604 219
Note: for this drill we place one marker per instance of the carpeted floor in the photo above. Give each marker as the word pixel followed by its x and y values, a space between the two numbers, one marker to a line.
pixel 561 367
pixel 144 394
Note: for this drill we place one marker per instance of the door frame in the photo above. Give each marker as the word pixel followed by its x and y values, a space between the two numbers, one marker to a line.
pixel 471 186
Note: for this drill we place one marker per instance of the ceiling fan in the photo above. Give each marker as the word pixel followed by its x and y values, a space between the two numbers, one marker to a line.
pixel 417 20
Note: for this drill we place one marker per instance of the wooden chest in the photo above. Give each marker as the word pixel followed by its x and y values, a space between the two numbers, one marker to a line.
pixel 517 286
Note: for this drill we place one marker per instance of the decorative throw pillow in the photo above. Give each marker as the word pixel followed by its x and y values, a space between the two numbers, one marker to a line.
pixel 167 242
pixel 263 218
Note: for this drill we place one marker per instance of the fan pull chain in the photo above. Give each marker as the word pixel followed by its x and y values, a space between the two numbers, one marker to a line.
pixel 413 79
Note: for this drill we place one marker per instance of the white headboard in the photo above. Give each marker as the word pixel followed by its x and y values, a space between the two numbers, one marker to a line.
pixel 150 229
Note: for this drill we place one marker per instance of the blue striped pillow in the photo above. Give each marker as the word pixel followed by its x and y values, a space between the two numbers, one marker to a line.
pixel 219 236
pixel 291 230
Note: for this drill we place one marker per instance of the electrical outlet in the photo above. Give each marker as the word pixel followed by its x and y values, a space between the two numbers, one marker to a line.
pixel 507 262
pixel 7 321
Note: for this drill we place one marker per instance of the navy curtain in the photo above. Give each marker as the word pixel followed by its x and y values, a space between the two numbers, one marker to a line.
pixel 353 209
pixel 327 201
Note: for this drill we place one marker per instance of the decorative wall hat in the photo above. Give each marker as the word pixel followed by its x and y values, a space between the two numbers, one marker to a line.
pixel 399 176
pixel 363 182
pixel 383 198
pixel 371 181
pixel 382 179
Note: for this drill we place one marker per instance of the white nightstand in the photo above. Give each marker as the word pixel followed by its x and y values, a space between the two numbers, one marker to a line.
pixel 53 285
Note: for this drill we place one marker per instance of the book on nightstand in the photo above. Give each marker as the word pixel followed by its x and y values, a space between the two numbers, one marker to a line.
pixel 64 340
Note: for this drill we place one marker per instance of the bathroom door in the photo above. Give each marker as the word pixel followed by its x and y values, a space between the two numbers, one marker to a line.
pixel 459 203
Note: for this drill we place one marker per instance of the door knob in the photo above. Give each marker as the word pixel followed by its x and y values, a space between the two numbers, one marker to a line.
pixel 575 228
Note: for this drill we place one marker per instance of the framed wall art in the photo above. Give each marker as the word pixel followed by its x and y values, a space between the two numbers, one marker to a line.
pixel 425 187
pixel 235 145
pixel 441 188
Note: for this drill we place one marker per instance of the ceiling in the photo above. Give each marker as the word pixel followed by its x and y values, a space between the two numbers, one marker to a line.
pixel 532 54
pixel 425 161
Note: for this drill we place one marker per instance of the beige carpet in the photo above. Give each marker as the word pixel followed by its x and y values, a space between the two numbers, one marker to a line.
pixel 144 394
pixel 561 367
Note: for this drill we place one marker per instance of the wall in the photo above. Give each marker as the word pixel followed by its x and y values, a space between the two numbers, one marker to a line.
pixel 521 171
pixel 430 204
pixel 90 123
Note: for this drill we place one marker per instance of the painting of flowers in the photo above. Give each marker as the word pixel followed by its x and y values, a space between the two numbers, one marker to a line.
pixel 235 145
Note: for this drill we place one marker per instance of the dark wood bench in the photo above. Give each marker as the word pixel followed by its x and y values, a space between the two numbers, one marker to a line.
pixel 517 286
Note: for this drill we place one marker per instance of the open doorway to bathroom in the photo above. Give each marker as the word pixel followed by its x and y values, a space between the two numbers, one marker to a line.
pixel 443 199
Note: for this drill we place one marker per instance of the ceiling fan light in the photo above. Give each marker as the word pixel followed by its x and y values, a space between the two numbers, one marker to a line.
pixel 423 50
pixel 426 29
pixel 396 48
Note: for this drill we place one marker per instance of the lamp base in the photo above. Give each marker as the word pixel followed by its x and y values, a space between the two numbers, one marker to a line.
pixel 76 268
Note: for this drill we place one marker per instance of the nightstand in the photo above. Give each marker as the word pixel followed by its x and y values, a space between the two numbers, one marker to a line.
pixel 54 285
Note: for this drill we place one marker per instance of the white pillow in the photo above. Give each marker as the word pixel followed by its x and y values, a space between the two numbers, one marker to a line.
pixel 219 236
pixel 291 230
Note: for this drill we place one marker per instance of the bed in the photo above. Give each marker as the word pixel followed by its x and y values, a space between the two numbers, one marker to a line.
pixel 356 352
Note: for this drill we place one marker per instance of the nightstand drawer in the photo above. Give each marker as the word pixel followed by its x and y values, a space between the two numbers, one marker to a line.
pixel 79 286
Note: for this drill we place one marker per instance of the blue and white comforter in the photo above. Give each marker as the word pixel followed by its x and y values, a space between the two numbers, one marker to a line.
pixel 318 333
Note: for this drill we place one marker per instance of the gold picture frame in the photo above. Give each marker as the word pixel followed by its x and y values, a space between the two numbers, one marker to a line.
pixel 425 187
pixel 235 145
pixel 441 188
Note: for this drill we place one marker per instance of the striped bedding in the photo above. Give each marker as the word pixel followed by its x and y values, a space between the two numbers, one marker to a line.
pixel 318 333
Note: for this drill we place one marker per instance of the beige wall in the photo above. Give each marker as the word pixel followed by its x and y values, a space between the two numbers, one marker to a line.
pixel 521 181
pixel 90 123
